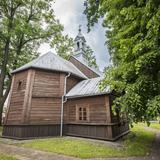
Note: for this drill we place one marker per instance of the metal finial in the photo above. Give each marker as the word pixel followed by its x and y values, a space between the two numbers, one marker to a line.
pixel 80 28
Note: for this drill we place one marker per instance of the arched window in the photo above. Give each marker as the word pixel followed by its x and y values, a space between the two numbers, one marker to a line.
pixel 78 45
pixel 80 113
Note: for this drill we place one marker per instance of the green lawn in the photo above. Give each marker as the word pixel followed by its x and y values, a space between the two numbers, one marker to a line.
pixel 5 157
pixel 155 125
pixel 137 143
pixel 152 125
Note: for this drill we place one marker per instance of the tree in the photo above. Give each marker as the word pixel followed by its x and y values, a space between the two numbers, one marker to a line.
pixel 90 57
pixel 24 25
pixel 133 39
pixel 64 46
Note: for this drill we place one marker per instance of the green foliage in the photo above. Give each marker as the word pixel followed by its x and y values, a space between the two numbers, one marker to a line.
pixel 90 57
pixel 24 25
pixel 63 46
pixel 137 143
pixel 27 24
pixel 133 39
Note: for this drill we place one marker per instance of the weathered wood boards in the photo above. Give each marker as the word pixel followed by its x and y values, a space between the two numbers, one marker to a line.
pixel 99 123
pixel 35 109
pixel 87 71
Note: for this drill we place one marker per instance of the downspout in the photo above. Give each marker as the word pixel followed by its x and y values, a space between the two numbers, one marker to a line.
pixel 63 101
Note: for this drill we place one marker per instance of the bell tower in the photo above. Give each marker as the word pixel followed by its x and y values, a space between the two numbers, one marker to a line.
pixel 80 46
pixel 80 55
pixel 79 42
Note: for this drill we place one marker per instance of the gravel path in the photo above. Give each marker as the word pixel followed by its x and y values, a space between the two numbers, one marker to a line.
pixel 30 154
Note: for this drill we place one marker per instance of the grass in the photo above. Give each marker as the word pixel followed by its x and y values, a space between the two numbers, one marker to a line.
pixel 6 157
pixel 137 143
pixel 154 125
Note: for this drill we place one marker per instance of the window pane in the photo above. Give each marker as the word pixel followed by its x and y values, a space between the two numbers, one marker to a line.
pixel 84 110
pixel 84 116
pixel 80 113
pixel 80 116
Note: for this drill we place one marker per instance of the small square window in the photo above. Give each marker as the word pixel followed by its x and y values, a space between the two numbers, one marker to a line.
pixel 82 114
pixel 19 85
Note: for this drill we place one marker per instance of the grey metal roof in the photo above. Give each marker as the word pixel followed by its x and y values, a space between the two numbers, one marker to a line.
pixel 51 61
pixel 91 68
pixel 88 87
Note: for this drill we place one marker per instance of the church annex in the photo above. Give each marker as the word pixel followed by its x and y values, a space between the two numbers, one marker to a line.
pixel 51 96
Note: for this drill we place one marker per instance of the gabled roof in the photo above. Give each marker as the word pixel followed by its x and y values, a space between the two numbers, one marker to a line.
pixel 53 62
pixel 99 73
pixel 89 87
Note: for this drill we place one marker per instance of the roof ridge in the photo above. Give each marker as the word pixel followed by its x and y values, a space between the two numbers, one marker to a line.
pixel 51 61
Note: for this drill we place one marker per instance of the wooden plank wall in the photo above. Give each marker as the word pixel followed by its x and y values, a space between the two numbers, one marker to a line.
pixel 45 110
pixel 47 84
pixel 100 124
pixel 39 100
pixel 98 109
pixel 46 101
pixel 90 131
pixel 15 108
pixel 30 131
pixel 85 70
pixel 71 82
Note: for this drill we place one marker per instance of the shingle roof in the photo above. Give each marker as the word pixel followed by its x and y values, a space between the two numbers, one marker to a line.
pixel 50 61
pixel 88 87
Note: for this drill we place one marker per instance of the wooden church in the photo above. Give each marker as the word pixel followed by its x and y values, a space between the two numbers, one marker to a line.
pixel 51 96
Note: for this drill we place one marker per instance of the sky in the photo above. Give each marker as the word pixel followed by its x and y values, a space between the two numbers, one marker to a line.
pixel 70 14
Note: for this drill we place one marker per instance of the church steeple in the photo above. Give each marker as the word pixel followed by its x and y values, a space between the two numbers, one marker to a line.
pixel 79 42
pixel 81 51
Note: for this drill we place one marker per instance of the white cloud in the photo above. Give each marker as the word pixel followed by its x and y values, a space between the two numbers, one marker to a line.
pixel 70 14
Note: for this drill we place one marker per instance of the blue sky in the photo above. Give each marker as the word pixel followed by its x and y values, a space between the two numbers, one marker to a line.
pixel 70 14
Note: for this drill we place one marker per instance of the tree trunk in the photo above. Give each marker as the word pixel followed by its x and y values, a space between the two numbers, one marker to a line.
pixel 1 111
pixel 3 99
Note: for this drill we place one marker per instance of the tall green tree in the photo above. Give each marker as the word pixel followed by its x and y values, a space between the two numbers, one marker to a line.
pixel 90 57
pixel 133 39
pixel 24 25
pixel 64 46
